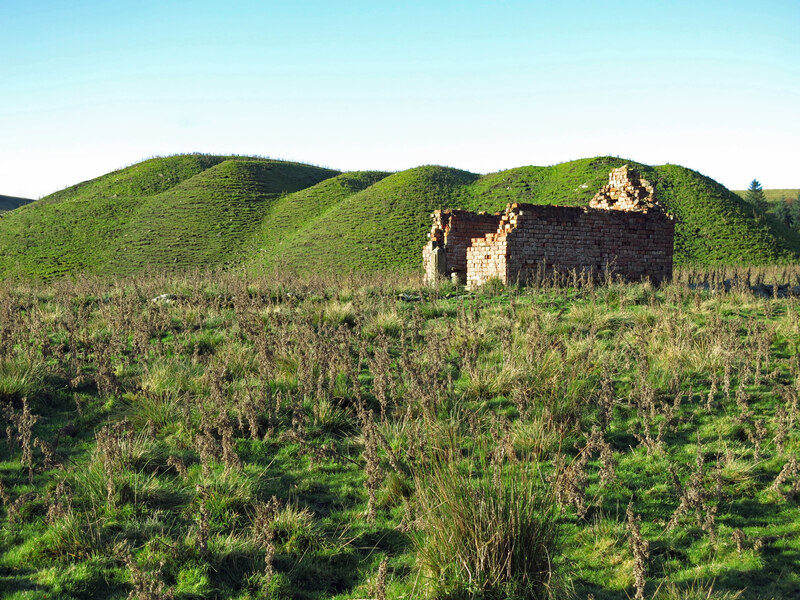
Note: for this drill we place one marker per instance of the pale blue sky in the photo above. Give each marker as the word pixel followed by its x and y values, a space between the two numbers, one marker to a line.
pixel 90 86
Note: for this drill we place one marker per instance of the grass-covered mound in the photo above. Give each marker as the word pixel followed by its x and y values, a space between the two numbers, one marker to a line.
pixel 12 202
pixel 302 211
pixel 382 227
pixel 363 438
pixel 178 212
pixel 386 225
pixel 197 210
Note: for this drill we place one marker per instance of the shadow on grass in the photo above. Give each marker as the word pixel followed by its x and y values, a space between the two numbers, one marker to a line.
pixel 17 584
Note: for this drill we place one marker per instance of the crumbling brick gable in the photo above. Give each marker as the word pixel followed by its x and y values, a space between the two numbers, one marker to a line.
pixel 454 230
pixel 627 191
pixel 624 228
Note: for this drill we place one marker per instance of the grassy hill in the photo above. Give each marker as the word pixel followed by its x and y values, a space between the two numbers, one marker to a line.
pixel 380 227
pixel 713 225
pixel 199 210
pixel 303 211
pixel 386 224
pixel 775 198
pixel 181 211
pixel 12 202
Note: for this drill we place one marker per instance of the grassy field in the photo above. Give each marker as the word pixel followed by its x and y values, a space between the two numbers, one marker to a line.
pixel 200 211
pixel 773 196
pixel 232 436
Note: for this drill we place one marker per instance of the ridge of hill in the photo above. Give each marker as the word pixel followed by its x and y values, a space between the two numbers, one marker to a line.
pixel 304 209
pixel 142 179
pixel 191 211
pixel 386 225
pixel 182 211
pixel 12 202
pixel 713 225
pixel 207 219
pixel 381 227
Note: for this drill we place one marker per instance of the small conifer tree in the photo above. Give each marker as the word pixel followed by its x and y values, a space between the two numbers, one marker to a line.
pixel 755 196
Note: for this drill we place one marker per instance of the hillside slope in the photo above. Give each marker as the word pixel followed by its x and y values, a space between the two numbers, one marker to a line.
pixel 203 211
pixel 774 195
pixel 381 227
pixel 182 211
pixel 713 225
pixel 385 226
pixel 295 212
pixel 208 219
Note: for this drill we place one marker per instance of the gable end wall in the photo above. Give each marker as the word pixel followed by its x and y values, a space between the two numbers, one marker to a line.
pixel 454 231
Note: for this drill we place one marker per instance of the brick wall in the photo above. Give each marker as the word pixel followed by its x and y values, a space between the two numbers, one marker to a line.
pixel 454 231
pixel 531 237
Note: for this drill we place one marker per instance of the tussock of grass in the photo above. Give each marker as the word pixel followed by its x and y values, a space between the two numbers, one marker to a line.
pixel 21 376
pixel 488 530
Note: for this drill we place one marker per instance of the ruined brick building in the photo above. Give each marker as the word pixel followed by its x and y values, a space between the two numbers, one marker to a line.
pixel 623 228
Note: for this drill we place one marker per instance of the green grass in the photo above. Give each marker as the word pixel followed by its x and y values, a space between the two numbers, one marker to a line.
pixel 773 196
pixel 380 228
pixel 489 529
pixel 305 210
pixel 235 441
pixel 714 226
pixel 197 211
pixel 186 211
